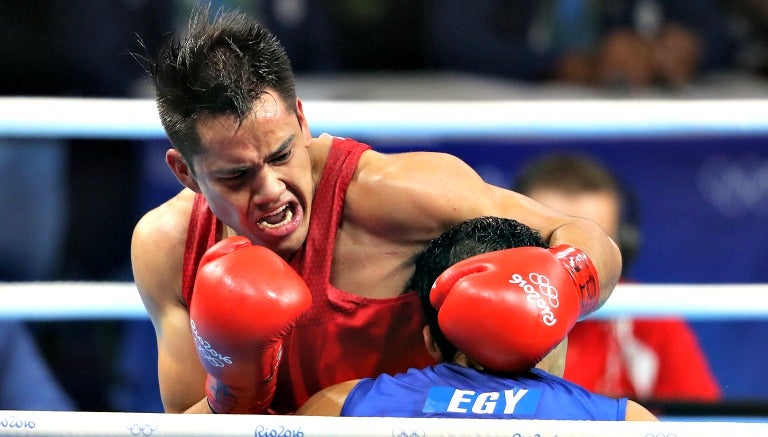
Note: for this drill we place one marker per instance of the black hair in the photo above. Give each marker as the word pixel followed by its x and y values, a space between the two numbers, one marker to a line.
pixel 466 239
pixel 218 68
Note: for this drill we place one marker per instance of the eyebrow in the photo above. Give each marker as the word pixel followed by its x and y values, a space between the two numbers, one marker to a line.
pixel 283 146
pixel 286 144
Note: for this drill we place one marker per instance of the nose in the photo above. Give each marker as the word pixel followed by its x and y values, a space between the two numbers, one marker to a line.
pixel 270 188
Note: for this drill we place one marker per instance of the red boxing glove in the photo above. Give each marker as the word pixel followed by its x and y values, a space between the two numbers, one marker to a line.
pixel 508 309
pixel 245 299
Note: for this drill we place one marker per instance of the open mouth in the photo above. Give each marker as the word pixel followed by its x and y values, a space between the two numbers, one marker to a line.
pixel 280 217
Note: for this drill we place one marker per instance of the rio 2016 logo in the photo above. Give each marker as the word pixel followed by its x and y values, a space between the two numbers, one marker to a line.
pixel 205 350
pixel 545 297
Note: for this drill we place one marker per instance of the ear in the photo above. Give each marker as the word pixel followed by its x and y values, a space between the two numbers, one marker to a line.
pixel 181 169
pixel 431 344
pixel 303 122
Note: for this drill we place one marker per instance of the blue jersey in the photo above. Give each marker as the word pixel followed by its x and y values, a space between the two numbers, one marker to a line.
pixel 451 390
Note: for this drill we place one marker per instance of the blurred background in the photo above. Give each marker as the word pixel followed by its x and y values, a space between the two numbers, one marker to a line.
pixel 699 203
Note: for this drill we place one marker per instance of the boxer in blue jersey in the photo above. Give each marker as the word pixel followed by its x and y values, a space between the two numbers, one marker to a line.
pixel 461 386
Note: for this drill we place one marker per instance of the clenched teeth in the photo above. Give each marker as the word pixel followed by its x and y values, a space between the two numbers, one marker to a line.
pixel 287 217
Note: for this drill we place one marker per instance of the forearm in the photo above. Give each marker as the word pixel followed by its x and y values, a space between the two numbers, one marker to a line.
pixel 601 250
pixel 557 228
pixel 201 407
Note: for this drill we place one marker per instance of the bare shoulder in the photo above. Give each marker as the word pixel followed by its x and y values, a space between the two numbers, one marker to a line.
pixel 424 167
pixel 157 246
pixel 329 401
pixel 637 412
pixel 416 194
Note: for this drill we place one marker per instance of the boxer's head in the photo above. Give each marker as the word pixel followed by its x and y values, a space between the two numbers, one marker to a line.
pixel 466 239
pixel 217 68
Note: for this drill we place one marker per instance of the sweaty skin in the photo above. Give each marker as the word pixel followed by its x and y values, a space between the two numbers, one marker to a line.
pixel 254 173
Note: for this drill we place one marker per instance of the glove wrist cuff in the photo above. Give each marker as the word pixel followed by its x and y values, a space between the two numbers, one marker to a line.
pixel 584 274
pixel 225 399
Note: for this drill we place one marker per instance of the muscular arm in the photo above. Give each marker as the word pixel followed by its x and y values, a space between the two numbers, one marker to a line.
pixel 558 228
pixel 417 196
pixel 157 250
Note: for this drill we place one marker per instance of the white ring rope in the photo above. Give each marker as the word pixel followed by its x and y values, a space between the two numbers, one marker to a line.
pixel 138 119
pixel 120 300
pixel 57 423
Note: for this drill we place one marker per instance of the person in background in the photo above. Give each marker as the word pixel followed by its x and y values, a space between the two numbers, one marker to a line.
pixel 69 203
pixel 647 359
pixel 33 201
pixel 621 44
pixel 464 385
pixel 346 36
pixel 26 379
pixel 748 31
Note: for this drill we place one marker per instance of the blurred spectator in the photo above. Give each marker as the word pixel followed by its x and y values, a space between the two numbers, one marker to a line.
pixel 618 44
pixel 748 29
pixel 34 223
pixel 348 35
pixel 95 40
pixel 136 387
pixel 34 194
pixel 33 201
pixel 26 381
pixel 647 359
pixel 304 28
pixel 69 205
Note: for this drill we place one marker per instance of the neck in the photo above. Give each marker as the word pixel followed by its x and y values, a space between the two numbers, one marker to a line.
pixel 465 361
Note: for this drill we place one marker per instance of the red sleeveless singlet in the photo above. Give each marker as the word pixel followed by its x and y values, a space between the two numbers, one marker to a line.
pixel 343 336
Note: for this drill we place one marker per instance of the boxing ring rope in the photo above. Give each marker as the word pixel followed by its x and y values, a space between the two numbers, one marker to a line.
pixel 120 300
pixel 137 118
pixel 49 423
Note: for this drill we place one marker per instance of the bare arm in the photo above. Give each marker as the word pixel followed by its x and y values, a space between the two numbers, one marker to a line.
pixel 558 228
pixel 329 401
pixel 417 196
pixel 156 255
pixel 637 412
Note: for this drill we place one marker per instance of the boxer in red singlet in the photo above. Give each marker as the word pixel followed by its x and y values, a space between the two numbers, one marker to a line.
pixel 349 220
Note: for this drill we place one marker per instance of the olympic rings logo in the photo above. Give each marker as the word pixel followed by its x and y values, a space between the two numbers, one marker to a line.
pixel 545 288
pixel 145 430
pixel 735 186
pixel 545 298
pixel 400 432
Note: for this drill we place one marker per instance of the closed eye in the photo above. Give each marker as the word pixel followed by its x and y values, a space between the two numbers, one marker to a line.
pixel 233 175
pixel 283 153
pixel 281 157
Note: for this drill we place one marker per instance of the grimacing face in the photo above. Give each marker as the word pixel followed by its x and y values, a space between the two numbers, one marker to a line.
pixel 257 177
